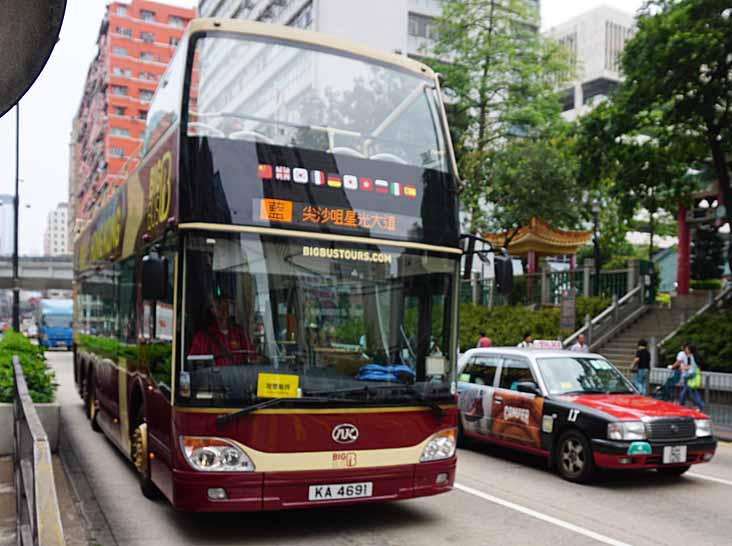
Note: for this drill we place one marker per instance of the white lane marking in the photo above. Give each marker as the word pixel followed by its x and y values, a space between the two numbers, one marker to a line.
pixel 543 517
pixel 710 478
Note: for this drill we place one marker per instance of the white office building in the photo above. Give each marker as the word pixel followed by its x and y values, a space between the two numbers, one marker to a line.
pixel 56 237
pixel 6 225
pixel 596 40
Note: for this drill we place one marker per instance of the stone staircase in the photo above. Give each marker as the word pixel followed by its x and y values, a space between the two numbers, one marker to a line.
pixel 657 321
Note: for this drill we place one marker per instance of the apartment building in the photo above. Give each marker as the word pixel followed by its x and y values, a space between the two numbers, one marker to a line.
pixel 136 41
pixel 56 236
pixel 595 40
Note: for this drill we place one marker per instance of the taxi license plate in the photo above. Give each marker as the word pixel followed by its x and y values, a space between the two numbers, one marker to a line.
pixel 674 454
pixel 340 491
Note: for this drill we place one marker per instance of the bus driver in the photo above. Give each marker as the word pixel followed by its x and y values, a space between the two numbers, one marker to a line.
pixel 223 338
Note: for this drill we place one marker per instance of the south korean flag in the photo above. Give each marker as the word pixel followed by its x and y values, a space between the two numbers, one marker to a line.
pixel 300 175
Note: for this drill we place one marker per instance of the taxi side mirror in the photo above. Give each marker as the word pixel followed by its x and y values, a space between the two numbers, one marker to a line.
pixel 528 387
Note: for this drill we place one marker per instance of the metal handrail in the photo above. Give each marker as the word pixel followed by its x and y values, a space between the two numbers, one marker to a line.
pixel 38 515
pixel 722 294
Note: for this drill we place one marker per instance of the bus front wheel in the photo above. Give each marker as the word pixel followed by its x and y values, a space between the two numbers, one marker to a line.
pixel 141 458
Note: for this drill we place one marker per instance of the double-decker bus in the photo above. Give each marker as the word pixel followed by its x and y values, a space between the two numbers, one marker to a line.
pixel 265 310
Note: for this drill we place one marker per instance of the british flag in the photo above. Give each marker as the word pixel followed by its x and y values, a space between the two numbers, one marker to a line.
pixel 282 173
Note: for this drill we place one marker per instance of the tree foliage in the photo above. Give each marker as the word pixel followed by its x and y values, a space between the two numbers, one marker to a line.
pixel 505 76
pixel 707 254
pixel 678 70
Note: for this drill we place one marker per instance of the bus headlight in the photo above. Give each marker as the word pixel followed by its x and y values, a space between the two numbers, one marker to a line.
pixel 215 455
pixel 703 427
pixel 440 446
pixel 626 430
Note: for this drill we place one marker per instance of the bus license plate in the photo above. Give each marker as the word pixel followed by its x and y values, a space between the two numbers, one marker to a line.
pixel 340 491
pixel 674 454
pixel 60 344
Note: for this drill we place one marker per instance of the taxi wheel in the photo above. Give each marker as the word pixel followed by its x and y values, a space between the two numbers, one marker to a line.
pixel 673 470
pixel 574 457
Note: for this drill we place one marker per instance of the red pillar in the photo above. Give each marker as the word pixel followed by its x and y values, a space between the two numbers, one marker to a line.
pixel 683 272
pixel 531 261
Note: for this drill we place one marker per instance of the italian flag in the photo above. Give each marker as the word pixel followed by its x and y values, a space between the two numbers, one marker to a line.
pixel 396 189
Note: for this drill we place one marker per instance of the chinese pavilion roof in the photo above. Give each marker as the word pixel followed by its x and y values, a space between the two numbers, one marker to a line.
pixel 543 239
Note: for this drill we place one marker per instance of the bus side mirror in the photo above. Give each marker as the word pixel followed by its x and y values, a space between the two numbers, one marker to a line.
pixel 469 252
pixel 154 277
pixel 503 267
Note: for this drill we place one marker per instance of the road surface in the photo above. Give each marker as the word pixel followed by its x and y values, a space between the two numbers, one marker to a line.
pixel 500 498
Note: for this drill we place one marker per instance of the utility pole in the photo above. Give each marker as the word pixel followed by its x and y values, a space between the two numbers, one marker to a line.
pixel 16 279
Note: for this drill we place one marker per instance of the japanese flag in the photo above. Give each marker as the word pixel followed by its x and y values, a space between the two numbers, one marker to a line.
pixel 382 186
pixel 300 175
pixel 350 182
pixel 319 178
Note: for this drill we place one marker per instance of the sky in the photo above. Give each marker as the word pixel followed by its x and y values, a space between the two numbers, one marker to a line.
pixel 47 110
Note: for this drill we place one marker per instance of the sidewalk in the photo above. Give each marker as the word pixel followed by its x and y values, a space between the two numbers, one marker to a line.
pixel 7 503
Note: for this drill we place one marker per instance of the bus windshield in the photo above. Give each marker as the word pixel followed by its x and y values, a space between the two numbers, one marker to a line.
pixel 299 96
pixel 57 321
pixel 333 317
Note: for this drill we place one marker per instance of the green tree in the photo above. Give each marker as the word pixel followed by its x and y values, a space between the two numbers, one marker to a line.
pixel 505 76
pixel 707 254
pixel 678 68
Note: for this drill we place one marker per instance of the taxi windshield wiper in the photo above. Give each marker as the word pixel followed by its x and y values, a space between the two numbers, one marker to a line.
pixel 585 391
pixel 222 419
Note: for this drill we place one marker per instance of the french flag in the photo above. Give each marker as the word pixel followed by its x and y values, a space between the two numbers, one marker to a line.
pixel 319 178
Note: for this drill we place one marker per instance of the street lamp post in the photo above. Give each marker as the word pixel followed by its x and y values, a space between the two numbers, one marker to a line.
pixel 16 279
pixel 596 245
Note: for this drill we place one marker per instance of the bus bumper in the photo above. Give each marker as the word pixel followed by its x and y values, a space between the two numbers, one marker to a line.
pixel 285 490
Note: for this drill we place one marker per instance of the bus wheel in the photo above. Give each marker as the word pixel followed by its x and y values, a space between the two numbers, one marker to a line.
pixel 91 404
pixel 141 459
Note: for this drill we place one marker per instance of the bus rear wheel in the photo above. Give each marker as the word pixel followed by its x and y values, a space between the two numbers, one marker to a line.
pixel 141 458
pixel 91 404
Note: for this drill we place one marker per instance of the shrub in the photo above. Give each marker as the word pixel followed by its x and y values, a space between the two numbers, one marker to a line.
pixel 505 325
pixel 709 284
pixel 711 333
pixel 593 305
pixel 37 376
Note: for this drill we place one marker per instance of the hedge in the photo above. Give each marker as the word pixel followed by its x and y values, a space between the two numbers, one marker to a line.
pixel 711 333
pixel 505 325
pixel 709 284
pixel 38 377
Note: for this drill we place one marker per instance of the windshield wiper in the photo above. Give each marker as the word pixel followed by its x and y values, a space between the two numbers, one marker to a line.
pixel 585 391
pixel 222 419
pixel 371 390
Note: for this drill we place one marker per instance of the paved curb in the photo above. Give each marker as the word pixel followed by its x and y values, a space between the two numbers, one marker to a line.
pixel 96 521
pixel 723 433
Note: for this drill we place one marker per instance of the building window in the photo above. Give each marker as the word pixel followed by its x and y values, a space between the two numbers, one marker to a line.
pixel 124 31
pixel 147 56
pixel 174 41
pixel 120 110
pixel 121 10
pixel 176 22
pixel 147 15
pixel 121 51
pixel 142 114
pixel 117 71
pixel 145 95
pixel 421 26
pixel 118 131
pixel 143 76
pixel 119 90
pixel 147 37
pixel 116 152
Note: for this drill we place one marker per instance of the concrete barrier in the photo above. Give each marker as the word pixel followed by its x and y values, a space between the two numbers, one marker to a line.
pixel 49 415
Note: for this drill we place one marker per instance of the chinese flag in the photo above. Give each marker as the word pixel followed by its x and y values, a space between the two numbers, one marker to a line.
pixel 264 171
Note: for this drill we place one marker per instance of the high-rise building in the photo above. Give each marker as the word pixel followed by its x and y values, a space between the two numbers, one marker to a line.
pixel 56 236
pixel 397 26
pixel 136 41
pixel 595 40
pixel 6 224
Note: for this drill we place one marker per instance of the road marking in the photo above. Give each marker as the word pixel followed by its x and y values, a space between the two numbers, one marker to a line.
pixel 710 478
pixel 543 517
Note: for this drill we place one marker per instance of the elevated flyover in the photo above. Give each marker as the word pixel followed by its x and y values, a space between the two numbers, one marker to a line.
pixel 38 273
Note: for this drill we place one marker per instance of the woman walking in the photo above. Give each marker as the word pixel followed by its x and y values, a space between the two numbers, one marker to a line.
pixel 691 376
pixel 641 367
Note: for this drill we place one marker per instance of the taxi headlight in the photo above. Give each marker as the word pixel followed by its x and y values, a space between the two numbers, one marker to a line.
pixel 626 430
pixel 703 427
pixel 440 446
pixel 214 455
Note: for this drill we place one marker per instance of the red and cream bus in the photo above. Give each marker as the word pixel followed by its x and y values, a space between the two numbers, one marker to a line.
pixel 265 310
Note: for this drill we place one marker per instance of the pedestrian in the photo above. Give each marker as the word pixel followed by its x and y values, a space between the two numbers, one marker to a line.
pixel 484 341
pixel 691 376
pixel 641 367
pixel 528 341
pixel 581 345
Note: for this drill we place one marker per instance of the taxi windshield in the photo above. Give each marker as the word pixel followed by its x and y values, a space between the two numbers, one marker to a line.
pixel 582 375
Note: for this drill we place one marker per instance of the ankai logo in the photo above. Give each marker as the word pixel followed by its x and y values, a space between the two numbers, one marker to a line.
pixel 345 433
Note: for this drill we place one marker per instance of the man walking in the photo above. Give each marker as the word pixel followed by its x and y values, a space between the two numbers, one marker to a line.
pixel 641 367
